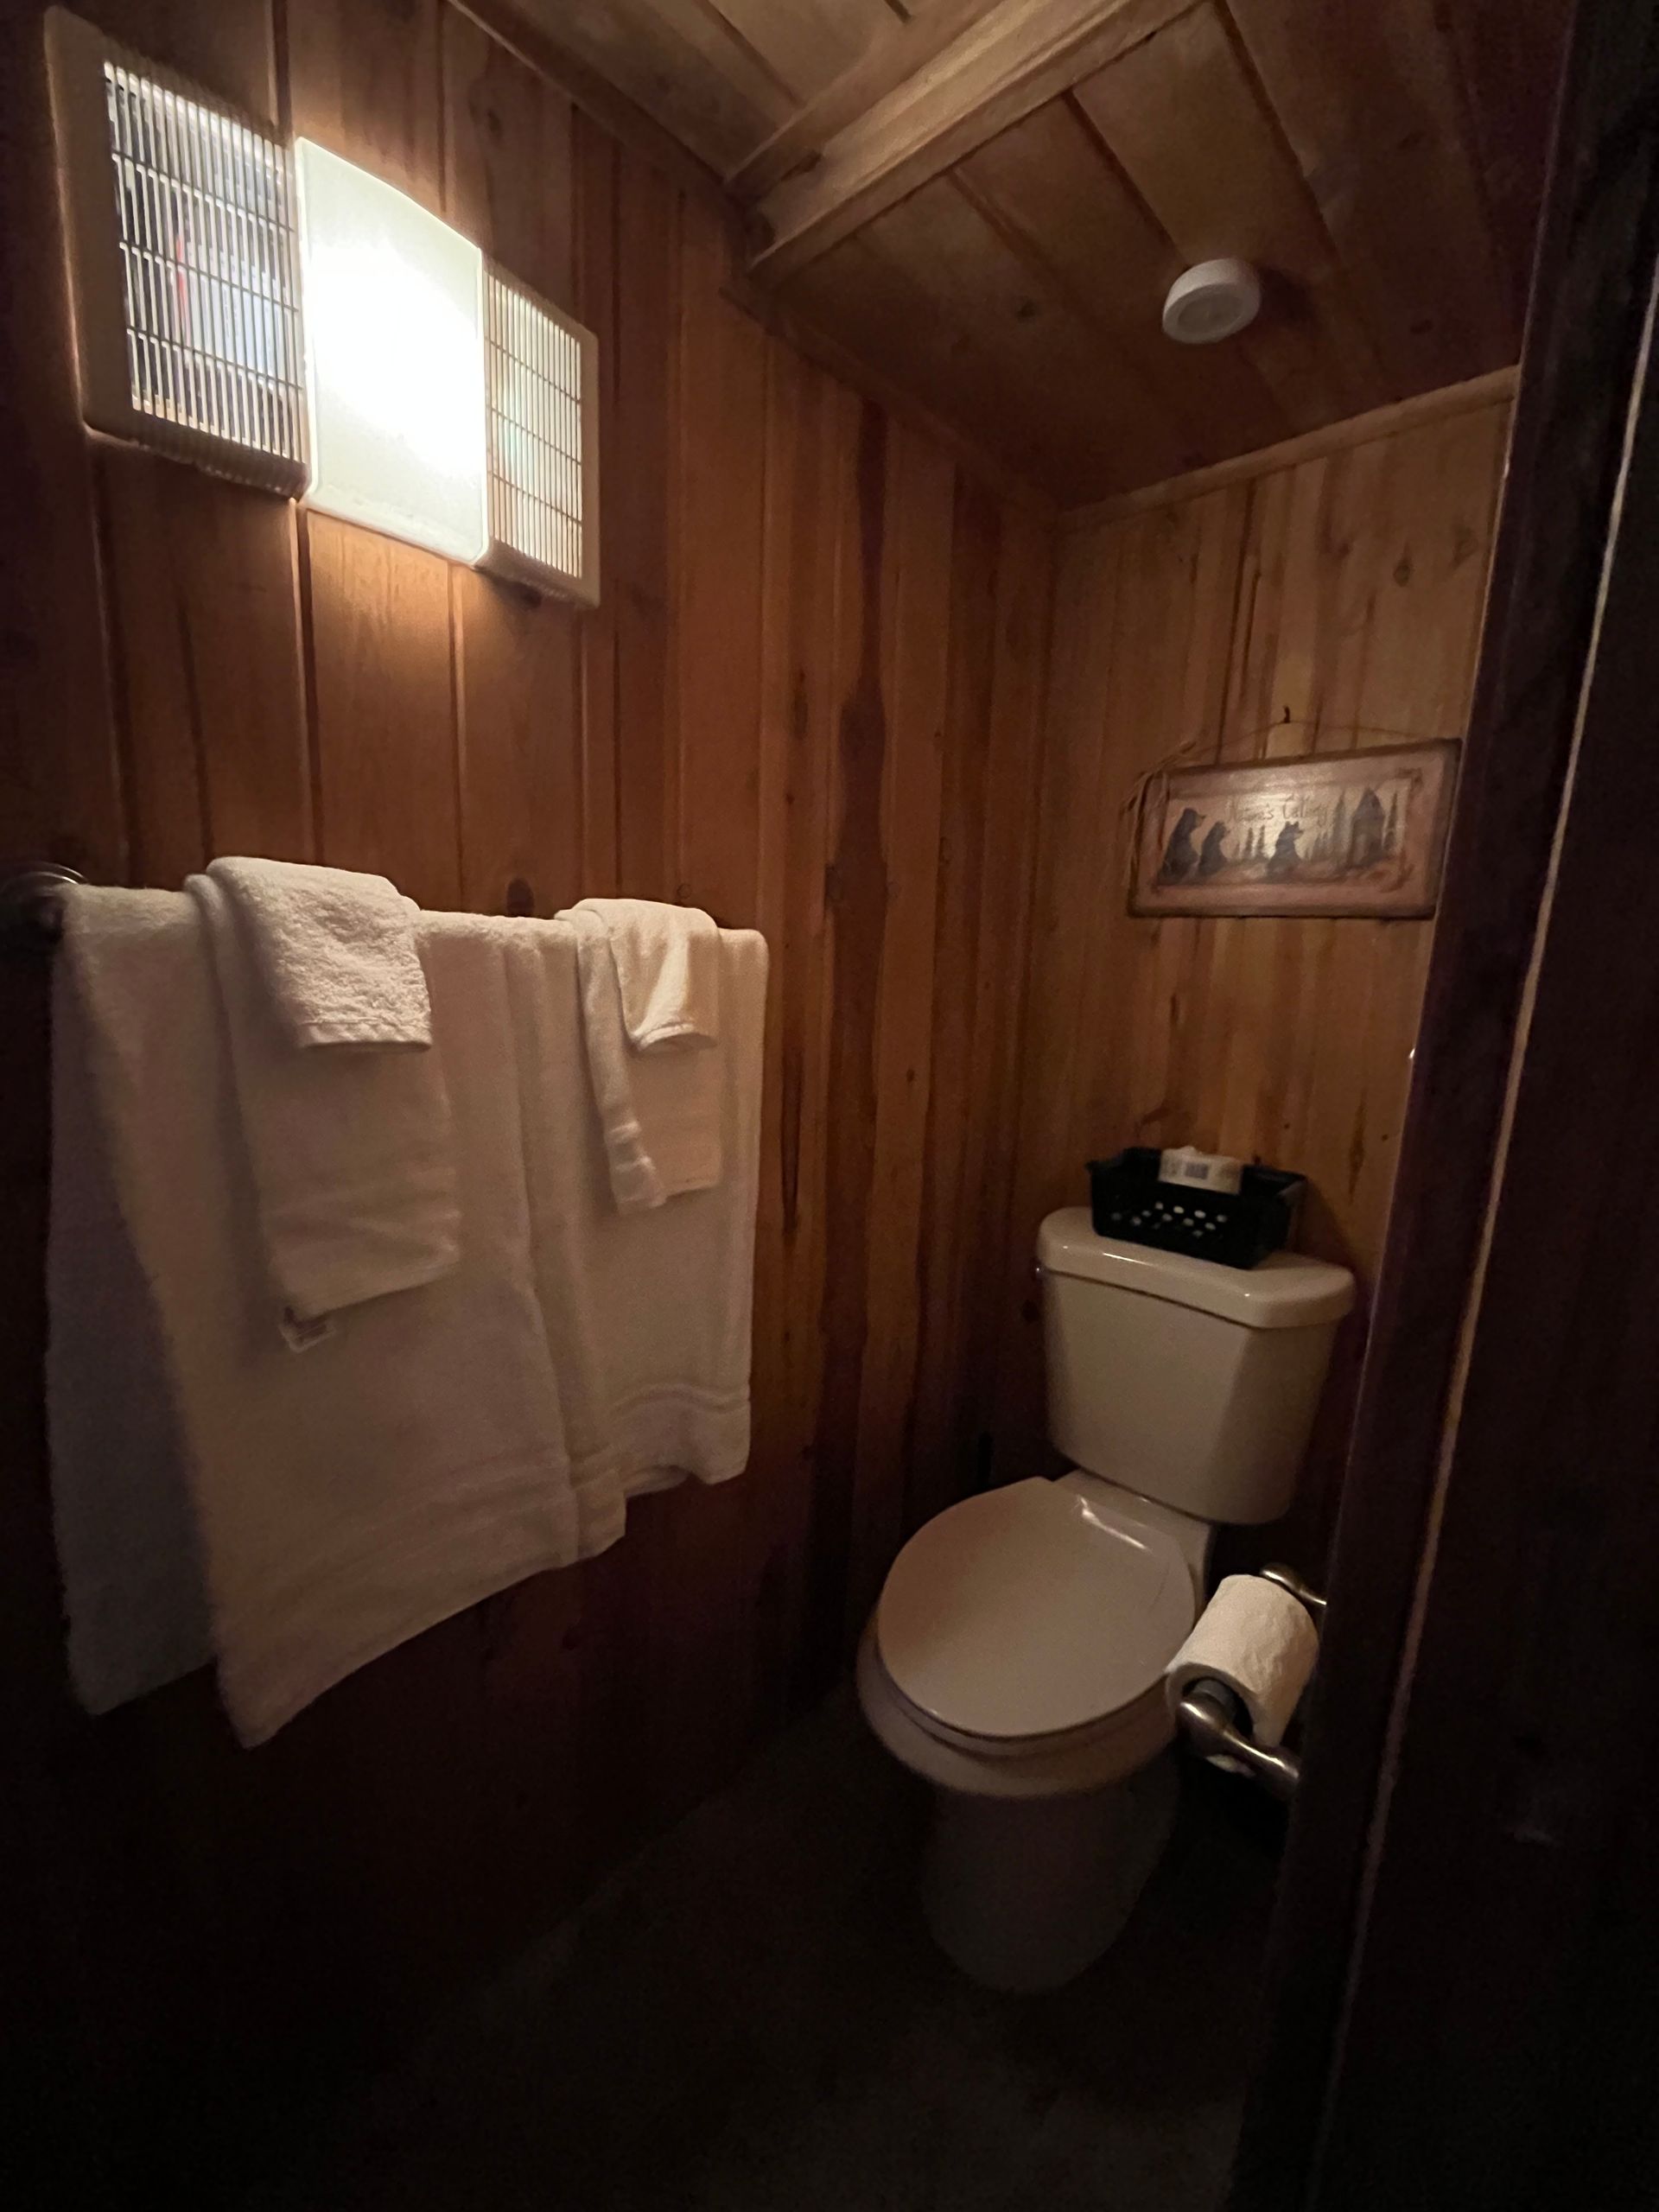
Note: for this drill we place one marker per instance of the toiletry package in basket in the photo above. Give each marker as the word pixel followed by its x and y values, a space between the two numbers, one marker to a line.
pixel 1129 1202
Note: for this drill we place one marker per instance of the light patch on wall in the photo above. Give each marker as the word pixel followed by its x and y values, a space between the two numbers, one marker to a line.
pixel 394 359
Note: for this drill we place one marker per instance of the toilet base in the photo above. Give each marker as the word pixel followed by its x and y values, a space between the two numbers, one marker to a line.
pixel 1023 1893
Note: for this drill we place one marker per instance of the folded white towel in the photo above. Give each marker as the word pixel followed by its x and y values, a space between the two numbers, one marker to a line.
pixel 411 1461
pixel 351 1153
pixel 335 949
pixel 649 1314
pixel 659 1112
pixel 667 969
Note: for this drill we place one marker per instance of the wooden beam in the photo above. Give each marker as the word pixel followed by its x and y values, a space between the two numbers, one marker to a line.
pixel 1011 61
pixel 884 65
pixel 1496 386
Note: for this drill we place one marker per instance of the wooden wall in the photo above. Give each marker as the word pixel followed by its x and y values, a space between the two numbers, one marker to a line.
pixel 1332 602
pixel 810 702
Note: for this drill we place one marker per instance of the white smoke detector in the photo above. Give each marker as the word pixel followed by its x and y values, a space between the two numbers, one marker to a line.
pixel 1211 302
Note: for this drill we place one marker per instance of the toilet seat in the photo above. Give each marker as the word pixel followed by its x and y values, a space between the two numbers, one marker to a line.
pixel 1032 1619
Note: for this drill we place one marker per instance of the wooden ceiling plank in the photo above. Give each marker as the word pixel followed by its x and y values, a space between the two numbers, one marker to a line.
pixel 1368 100
pixel 679 61
pixel 886 63
pixel 1014 59
pixel 1035 381
pixel 1509 59
pixel 1182 116
pixel 1050 184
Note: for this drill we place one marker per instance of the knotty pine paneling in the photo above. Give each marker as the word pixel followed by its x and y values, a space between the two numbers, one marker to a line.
pixel 810 702
pixel 1333 603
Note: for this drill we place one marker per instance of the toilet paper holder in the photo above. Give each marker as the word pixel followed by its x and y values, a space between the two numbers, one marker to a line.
pixel 1216 1723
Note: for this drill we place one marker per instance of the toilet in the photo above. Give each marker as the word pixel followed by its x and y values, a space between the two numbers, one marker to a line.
pixel 1015 1658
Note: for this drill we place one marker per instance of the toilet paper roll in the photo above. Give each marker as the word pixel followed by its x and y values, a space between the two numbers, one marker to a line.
pixel 1256 1638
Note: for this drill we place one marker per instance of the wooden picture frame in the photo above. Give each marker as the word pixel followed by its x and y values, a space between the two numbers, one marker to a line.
pixel 1322 835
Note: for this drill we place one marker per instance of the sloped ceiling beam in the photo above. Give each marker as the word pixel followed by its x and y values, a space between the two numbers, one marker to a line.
pixel 1016 56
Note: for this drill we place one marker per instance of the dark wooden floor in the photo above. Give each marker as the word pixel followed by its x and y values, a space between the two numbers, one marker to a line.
pixel 749 2018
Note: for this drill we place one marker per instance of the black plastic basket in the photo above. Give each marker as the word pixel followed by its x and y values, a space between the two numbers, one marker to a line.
pixel 1129 1202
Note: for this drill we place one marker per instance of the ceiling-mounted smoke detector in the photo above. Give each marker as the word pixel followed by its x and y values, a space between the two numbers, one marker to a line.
pixel 1212 301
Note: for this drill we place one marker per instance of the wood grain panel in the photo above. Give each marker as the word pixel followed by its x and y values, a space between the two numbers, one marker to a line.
pixel 681 62
pixel 1054 188
pixel 518 656
pixel 204 612
pixel 778 711
pixel 1369 101
pixel 1183 116
pixel 1333 602
pixel 363 80
pixel 1043 388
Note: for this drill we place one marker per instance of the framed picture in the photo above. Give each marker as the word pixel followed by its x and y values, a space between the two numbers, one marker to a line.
pixel 1325 834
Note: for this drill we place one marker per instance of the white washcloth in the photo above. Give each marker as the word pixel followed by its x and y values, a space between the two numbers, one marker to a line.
pixel 648 1314
pixel 351 1153
pixel 659 1112
pixel 667 969
pixel 335 949
pixel 411 1461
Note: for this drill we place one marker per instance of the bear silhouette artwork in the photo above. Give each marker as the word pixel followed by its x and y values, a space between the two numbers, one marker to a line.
pixel 1366 835
pixel 1285 855
pixel 1213 857
pixel 1180 855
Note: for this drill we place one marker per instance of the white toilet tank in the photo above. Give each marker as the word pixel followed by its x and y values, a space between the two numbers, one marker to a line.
pixel 1185 1380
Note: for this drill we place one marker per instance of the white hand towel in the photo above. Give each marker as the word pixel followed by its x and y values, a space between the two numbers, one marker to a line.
pixel 335 949
pixel 411 1461
pixel 649 1314
pixel 668 969
pixel 659 1113
pixel 351 1153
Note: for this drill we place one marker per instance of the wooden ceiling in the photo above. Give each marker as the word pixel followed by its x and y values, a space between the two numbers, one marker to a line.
pixel 983 201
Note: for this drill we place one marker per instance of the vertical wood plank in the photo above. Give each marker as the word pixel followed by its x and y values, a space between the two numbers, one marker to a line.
pixel 639 430
pixel 518 655
pixel 363 79
pixel 205 619
pixel 916 630
pixel 716 529
pixel 385 723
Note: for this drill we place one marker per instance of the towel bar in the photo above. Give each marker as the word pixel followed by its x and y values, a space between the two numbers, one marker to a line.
pixel 31 905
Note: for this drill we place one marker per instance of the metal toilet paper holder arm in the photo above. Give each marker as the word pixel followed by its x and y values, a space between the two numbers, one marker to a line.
pixel 1212 1716
pixel 1204 1714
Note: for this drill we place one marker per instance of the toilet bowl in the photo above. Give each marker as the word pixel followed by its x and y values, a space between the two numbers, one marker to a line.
pixel 1015 1658
pixel 1015 1661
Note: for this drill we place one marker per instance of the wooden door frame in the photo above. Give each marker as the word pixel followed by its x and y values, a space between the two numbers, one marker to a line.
pixel 1336 2055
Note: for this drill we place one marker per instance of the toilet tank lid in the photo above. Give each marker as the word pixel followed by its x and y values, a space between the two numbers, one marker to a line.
pixel 1286 1291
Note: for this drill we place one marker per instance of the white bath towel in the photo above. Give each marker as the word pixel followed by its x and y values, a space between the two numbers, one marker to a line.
pixel 668 964
pixel 649 1314
pixel 351 1151
pixel 335 949
pixel 410 1462
pixel 659 1113
pixel 121 1509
